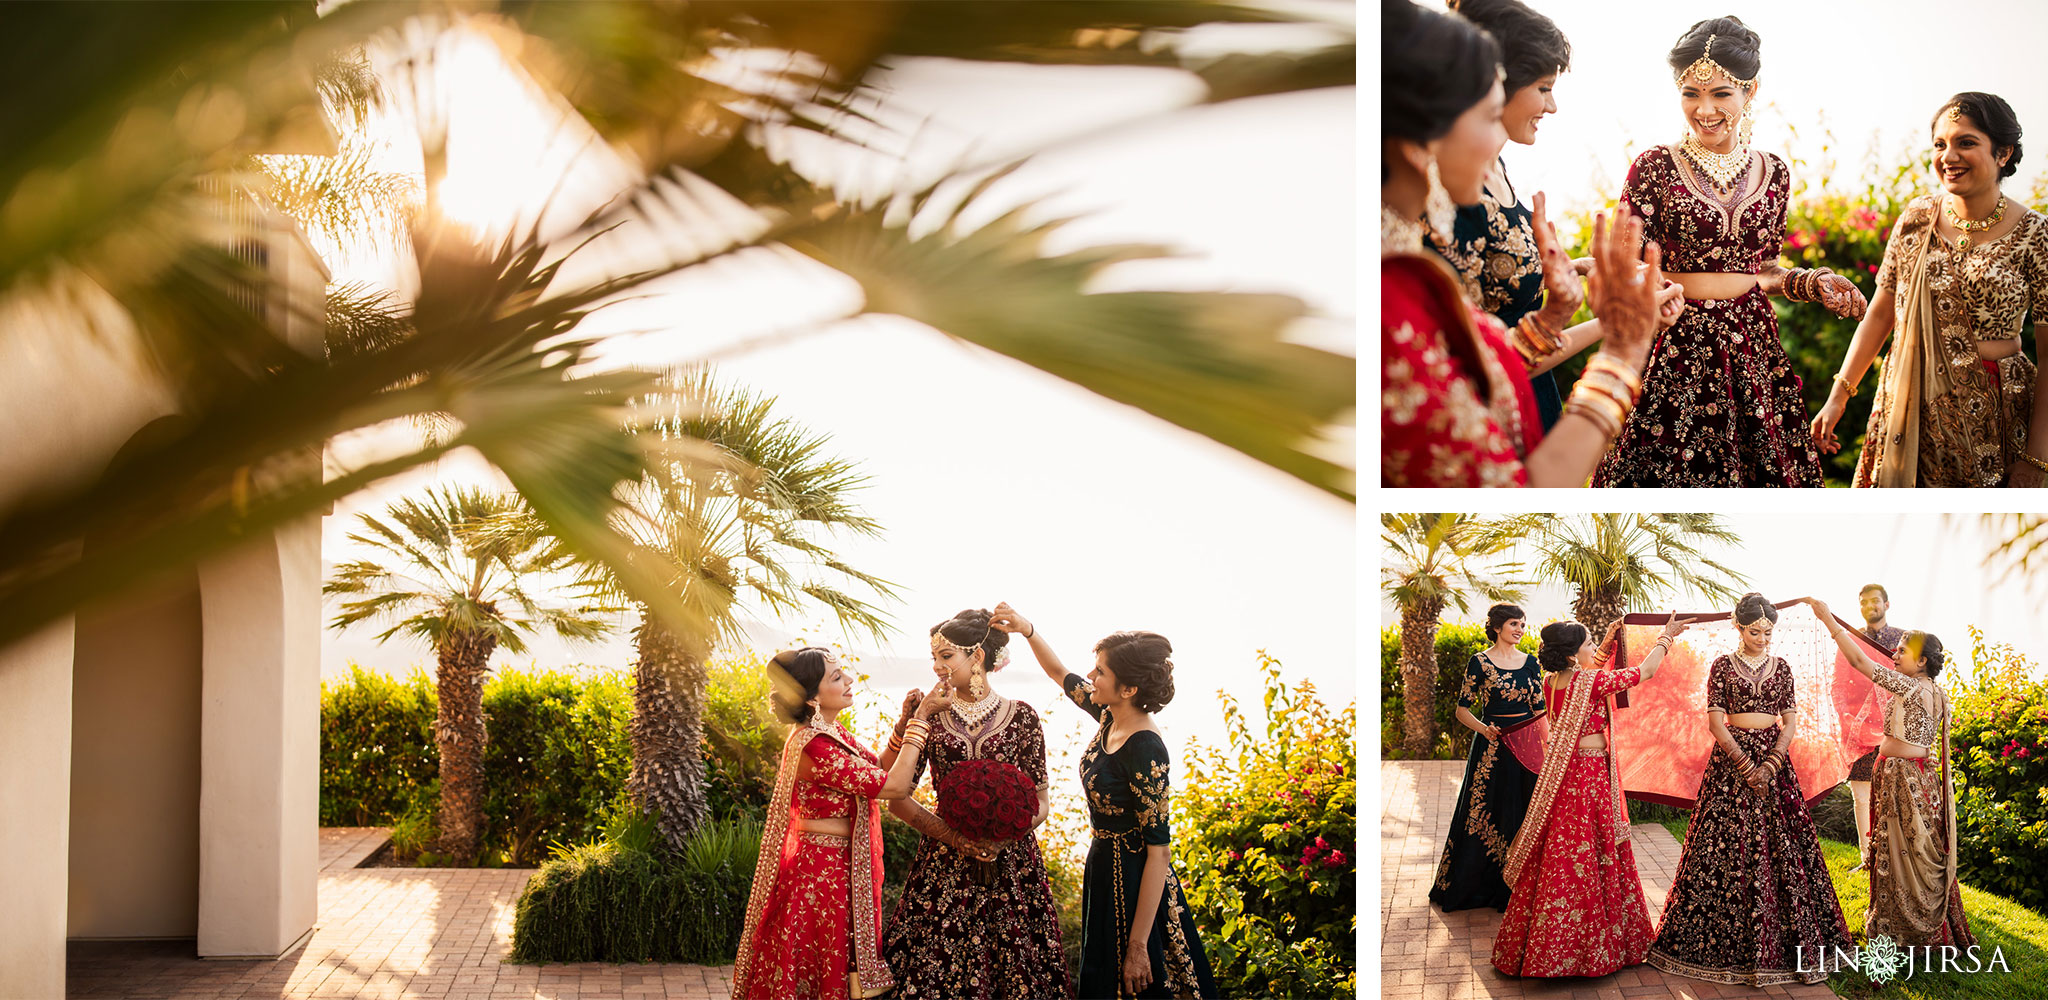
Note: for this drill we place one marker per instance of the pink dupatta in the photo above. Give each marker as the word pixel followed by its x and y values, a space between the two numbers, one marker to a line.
pixel 1840 712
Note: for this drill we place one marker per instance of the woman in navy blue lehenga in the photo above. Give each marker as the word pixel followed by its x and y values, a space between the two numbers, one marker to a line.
pixel 1500 770
pixel 1137 934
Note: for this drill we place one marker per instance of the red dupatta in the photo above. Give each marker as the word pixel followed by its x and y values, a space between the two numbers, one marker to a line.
pixel 870 975
pixel 1579 706
pixel 1840 712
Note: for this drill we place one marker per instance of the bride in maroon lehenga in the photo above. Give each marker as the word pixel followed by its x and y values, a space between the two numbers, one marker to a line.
pixel 968 929
pixel 1752 902
pixel 813 926
pixel 1577 904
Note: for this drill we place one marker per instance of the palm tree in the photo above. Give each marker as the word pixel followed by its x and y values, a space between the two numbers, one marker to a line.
pixel 1626 562
pixel 460 564
pixel 102 220
pixel 1433 560
pixel 2020 540
pixel 741 509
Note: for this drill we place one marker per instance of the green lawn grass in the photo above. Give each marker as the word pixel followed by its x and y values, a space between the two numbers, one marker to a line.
pixel 2020 933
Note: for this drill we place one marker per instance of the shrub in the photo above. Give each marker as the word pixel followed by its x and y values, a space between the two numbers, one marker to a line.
pixel 614 900
pixel 376 747
pixel 558 755
pixel 742 738
pixel 1267 832
pixel 1999 741
pixel 1456 644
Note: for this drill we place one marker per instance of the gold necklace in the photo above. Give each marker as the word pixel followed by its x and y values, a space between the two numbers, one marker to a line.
pixel 1398 235
pixel 1968 226
pixel 1725 169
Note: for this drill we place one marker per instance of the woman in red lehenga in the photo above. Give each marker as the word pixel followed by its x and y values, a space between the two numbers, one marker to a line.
pixel 813 925
pixel 1577 907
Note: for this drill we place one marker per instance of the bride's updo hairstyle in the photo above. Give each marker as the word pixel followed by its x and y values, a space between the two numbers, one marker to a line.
pixel 1753 606
pixel 1736 48
pixel 794 676
pixel 970 628
pixel 1561 642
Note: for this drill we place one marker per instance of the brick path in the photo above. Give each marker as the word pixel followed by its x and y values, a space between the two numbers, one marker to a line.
pixel 391 934
pixel 1430 955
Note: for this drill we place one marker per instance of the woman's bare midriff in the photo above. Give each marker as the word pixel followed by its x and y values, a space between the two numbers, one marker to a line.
pixel 1997 350
pixel 1895 747
pixel 840 827
pixel 1714 284
pixel 1593 742
pixel 1752 720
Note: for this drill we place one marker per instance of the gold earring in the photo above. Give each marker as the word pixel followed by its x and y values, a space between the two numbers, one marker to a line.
pixel 1438 210
pixel 976 685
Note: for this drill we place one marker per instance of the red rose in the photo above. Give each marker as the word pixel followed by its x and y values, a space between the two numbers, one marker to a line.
pixel 987 800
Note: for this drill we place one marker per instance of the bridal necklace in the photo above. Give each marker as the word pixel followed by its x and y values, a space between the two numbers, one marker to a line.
pixel 1726 170
pixel 972 712
pixel 1969 226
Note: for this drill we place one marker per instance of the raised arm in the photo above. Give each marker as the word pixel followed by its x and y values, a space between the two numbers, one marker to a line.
pixel 1857 657
pixel 1007 619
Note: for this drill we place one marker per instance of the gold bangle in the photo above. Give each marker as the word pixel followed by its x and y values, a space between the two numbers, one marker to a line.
pixel 1601 422
pixel 1847 386
pixel 1627 373
pixel 2035 462
pixel 1535 339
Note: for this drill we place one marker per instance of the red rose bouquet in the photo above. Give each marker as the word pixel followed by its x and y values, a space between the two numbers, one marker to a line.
pixel 988 800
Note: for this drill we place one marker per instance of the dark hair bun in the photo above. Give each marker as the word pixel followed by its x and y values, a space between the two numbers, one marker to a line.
pixel 1559 643
pixel 1994 118
pixel 971 628
pixel 794 676
pixel 1738 49
pixel 1753 606
pixel 1141 660
pixel 1531 46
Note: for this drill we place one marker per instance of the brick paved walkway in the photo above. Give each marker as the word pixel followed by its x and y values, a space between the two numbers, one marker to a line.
pixel 1430 955
pixel 391 934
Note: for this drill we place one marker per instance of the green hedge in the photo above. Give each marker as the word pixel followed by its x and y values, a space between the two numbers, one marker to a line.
pixel 1999 736
pixel 558 756
pixel 1456 644
pixel 1265 833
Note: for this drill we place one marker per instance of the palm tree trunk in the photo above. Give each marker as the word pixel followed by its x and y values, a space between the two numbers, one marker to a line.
pixel 667 731
pixel 1597 609
pixel 459 734
pixel 1418 675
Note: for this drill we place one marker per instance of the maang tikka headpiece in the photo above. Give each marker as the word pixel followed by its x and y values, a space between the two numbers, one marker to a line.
pixel 976 685
pixel 1705 68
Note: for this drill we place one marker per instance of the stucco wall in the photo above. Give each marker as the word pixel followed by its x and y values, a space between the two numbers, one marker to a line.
pixel 135 767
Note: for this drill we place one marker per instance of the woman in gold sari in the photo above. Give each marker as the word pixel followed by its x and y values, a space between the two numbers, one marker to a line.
pixel 1915 898
pixel 1959 404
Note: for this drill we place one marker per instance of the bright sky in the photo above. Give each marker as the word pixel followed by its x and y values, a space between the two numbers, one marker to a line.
pixel 997 482
pixel 1931 566
pixel 1858 69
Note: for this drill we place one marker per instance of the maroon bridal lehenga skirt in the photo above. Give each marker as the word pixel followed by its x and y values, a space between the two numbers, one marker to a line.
pixel 1578 908
pixel 1752 902
pixel 1720 405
